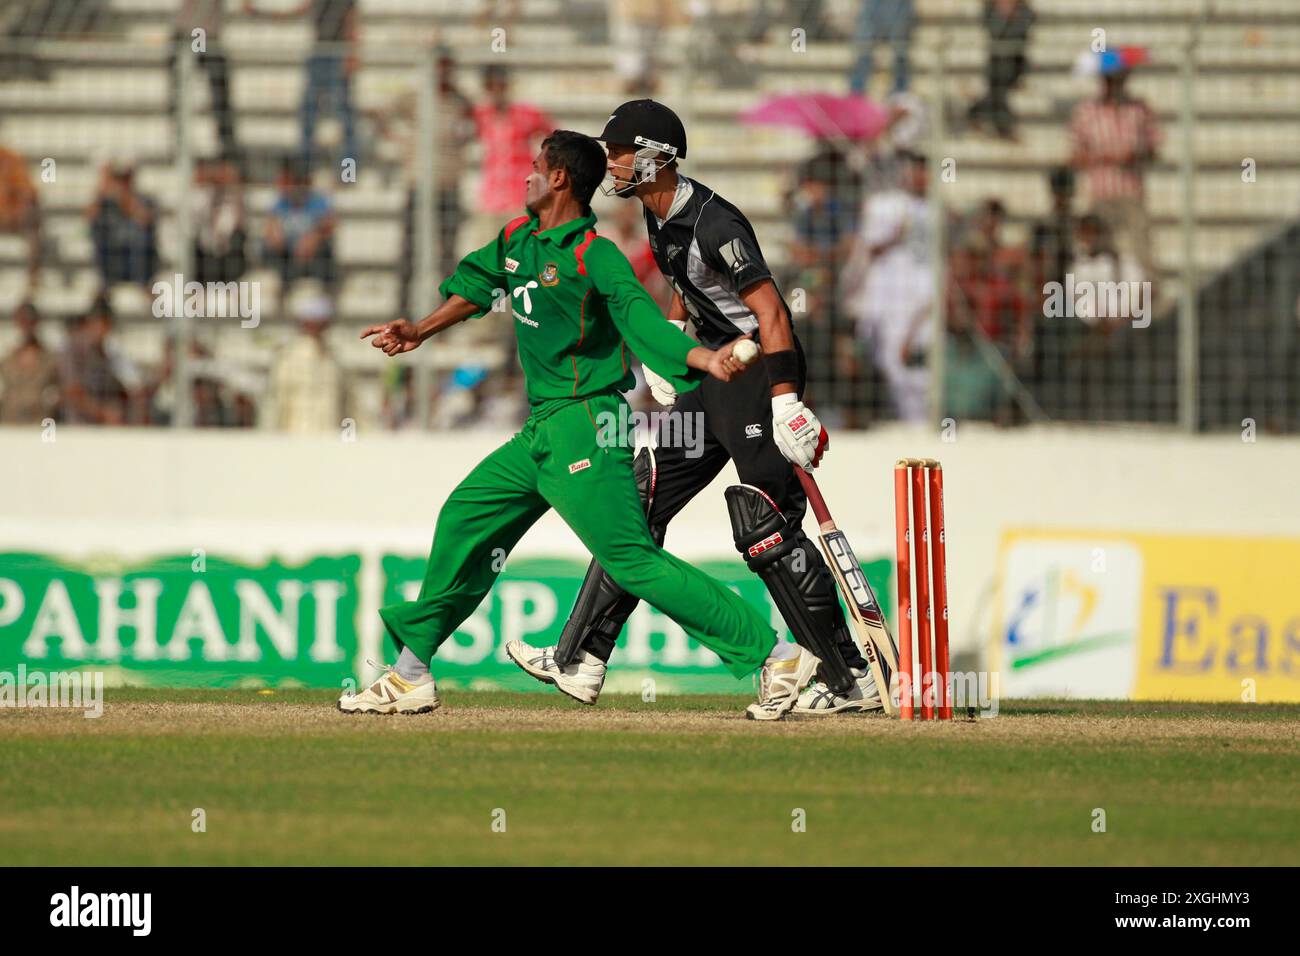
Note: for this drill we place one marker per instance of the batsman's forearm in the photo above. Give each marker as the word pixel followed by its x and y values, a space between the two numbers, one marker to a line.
pixel 774 328
pixel 775 332
pixel 777 336
pixel 454 310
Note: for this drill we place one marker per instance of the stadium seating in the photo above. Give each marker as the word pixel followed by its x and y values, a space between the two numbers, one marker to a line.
pixel 92 100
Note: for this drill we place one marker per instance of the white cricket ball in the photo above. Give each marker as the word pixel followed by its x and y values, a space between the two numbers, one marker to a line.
pixel 745 351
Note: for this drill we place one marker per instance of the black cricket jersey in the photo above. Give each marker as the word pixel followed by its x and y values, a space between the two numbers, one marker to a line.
pixel 708 252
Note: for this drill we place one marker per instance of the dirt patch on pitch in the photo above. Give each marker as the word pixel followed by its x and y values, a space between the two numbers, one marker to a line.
pixel 151 719
pixel 270 718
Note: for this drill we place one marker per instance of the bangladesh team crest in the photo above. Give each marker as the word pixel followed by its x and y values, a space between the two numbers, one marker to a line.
pixel 550 275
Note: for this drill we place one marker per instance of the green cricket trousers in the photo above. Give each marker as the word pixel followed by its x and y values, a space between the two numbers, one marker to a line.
pixel 556 461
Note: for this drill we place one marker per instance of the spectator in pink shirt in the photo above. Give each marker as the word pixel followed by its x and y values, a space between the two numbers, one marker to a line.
pixel 1114 140
pixel 509 134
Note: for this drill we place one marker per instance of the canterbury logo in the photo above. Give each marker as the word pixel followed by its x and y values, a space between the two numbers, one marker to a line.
pixel 753 431
pixel 771 541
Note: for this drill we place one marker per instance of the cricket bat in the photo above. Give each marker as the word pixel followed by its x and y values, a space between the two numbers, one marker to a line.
pixel 868 619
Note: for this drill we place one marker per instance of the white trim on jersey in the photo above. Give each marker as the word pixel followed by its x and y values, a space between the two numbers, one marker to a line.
pixel 685 190
pixel 717 288
pixel 714 285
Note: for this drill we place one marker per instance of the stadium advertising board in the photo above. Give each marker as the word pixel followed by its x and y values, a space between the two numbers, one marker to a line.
pixel 206 621
pixel 1089 614
pixel 182 620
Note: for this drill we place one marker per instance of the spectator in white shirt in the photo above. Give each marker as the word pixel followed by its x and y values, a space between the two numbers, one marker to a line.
pixel 1097 261
pixel 307 389
pixel 899 288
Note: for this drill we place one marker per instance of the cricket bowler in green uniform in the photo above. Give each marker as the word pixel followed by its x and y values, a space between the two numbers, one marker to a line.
pixel 577 307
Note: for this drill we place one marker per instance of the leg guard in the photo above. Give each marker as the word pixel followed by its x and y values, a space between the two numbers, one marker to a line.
pixel 800 584
pixel 602 607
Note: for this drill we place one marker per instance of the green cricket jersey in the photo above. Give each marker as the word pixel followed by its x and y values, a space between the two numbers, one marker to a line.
pixel 575 303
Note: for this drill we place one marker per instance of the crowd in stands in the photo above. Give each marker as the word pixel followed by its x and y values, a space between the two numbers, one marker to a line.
pixel 89 381
pixel 862 251
pixel 863 247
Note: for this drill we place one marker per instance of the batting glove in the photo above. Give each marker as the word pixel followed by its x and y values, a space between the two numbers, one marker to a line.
pixel 660 387
pixel 797 432
pixel 663 391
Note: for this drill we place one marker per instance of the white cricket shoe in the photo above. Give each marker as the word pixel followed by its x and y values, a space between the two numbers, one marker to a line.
pixel 393 694
pixel 779 683
pixel 820 701
pixel 582 680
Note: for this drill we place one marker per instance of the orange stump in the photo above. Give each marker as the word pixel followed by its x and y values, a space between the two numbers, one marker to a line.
pixel 920 549
pixel 902 554
pixel 939 564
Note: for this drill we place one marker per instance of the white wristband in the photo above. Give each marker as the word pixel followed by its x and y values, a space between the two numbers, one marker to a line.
pixel 783 401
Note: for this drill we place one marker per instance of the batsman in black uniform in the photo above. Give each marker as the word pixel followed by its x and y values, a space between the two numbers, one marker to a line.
pixel 708 252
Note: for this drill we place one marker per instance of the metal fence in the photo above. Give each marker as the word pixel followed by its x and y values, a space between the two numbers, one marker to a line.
pixel 963 262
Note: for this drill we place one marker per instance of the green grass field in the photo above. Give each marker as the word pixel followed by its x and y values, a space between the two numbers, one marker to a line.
pixel 285 779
